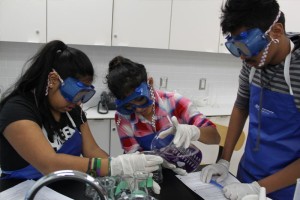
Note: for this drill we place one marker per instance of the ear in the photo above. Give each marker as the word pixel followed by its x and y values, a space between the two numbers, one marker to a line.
pixel 150 81
pixel 53 79
pixel 277 31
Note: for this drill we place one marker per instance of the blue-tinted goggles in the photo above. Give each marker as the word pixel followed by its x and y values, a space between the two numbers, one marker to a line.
pixel 75 91
pixel 248 43
pixel 140 94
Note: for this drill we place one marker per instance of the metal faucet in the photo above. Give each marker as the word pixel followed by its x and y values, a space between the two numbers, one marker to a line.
pixel 66 175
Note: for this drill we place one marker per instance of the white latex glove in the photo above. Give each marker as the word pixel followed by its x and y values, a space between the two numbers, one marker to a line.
pixel 155 187
pixel 129 163
pixel 173 167
pixel 184 133
pixel 236 191
pixel 221 168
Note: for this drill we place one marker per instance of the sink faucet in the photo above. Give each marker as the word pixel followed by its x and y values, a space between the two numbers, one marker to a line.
pixel 66 175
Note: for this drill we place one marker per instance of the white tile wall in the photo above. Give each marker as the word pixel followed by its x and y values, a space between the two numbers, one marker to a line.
pixel 183 69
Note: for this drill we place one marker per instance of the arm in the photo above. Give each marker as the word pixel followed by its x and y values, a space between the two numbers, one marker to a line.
pixel 283 178
pixel 28 140
pixel 235 128
pixel 209 135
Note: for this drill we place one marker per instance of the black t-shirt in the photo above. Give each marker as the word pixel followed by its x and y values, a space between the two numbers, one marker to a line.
pixel 20 108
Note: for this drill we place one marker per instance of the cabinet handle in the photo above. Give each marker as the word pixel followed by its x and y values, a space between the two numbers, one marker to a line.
pixel 113 129
pixel 37 32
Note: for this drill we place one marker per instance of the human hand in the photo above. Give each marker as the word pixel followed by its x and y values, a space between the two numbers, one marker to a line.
pixel 221 168
pixel 184 133
pixel 129 163
pixel 236 191
pixel 173 167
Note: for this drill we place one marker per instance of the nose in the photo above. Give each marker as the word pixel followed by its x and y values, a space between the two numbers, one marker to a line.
pixel 138 110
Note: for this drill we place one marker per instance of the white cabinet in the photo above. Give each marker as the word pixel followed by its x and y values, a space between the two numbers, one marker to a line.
pixel 80 21
pixel 23 20
pixel 100 129
pixel 141 23
pixel 195 25
pixel 115 144
pixel 291 10
pixel 106 136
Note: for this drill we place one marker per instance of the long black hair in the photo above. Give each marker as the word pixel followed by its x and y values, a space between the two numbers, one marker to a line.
pixel 124 76
pixel 67 61
pixel 249 14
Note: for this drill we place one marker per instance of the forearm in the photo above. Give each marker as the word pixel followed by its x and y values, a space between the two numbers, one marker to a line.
pixel 209 135
pixel 64 162
pixel 235 128
pixel 283 178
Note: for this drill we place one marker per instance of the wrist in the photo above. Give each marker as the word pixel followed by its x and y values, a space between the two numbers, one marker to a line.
pixel 224 162
pixel 256 186
pixel 197 133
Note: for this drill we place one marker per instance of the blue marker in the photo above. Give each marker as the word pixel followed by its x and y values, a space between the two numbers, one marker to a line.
pixel 216 183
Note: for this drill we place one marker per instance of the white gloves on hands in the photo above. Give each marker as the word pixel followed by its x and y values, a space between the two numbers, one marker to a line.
pixel 173 167
pixel 129 163
pixel 184 133
pixel 221 168
pixel 236 191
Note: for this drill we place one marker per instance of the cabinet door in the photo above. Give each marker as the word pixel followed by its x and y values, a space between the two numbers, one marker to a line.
pixel 23 20
pixel 100 129
pixel 115 144
pixel 290 8
pixel 80 21
pixel 195 25
pixel 141 23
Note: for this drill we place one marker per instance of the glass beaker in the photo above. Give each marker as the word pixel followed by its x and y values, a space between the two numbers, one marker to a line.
pixel 108 183
pixel 140 191
pixel 124 187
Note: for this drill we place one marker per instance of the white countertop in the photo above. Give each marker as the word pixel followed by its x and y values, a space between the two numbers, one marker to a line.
pixel 216 110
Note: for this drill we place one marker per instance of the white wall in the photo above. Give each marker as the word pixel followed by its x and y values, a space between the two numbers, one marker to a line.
pixel 183 68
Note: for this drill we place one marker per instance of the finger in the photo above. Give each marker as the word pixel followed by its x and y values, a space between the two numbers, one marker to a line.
pixel 174 121
pixel 168 165
pixel 187 142
pixel 156 188
pixel 152 168
pixel 203 175
pixel 221 178
pixel 153 160
pixel 180 171
pixel 165 133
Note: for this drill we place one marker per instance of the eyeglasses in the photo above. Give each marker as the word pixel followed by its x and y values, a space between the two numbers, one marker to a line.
pixel 75 91
pixel 248 43
pixel 141 95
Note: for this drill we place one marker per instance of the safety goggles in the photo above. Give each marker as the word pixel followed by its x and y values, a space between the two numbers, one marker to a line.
pixel 140 94
pixel 248 43
pixel 75 91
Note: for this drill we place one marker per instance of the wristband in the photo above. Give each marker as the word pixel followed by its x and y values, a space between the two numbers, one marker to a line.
pixel 94 167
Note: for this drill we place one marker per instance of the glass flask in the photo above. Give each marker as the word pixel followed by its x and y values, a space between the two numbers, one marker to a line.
pixel 188 159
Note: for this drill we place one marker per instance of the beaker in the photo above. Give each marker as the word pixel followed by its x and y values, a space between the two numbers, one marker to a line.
pixel 188 159
pixel 140 191
pixel 108 183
